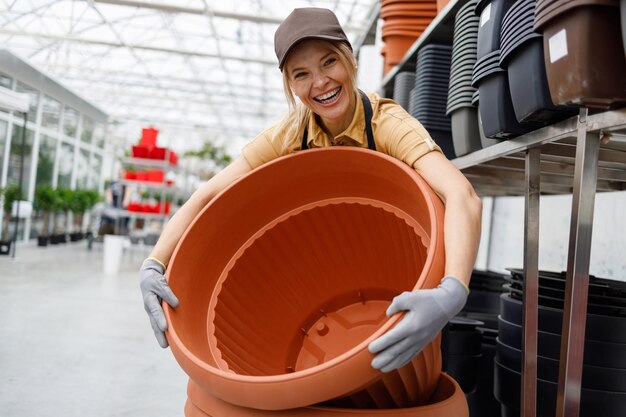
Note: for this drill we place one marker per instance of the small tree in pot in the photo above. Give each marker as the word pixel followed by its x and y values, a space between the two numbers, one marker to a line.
pixel 61 210
pixel 78 204
pixel 45 199
pixel 11 193
pixel 93 197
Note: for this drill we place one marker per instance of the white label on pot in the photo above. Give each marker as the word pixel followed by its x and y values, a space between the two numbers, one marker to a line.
pixel 557 44
pixel 485 15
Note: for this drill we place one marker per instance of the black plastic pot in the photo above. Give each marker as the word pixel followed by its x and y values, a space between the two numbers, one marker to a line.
pixel 594 403
pixel 43 241
pixel 496 108
pixel 594 377
pixel 604 354
pixel 598 286
pixel 598 327
pixel 5 247
pixel 491 14
pixel 482 402
pixel 403 84
pixel 595 305
pixel 464 370
pixel 597 301
pixel 483 302
pixel 75 237
pixel 464 342
pixel 443 138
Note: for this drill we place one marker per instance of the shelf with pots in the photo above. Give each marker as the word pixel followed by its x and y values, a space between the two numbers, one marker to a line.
pixel 562 130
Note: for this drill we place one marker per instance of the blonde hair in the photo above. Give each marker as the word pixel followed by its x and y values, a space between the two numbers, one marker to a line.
pixel 299 114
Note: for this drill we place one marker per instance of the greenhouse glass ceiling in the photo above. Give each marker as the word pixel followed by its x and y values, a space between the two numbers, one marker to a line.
pixel 197 69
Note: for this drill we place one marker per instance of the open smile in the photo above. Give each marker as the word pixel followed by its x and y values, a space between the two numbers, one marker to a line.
pixel 329 97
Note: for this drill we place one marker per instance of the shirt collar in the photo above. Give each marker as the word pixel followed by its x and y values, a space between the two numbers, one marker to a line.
pixel 355 130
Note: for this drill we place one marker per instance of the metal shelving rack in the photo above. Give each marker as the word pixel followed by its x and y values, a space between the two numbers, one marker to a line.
pixel 578 156
pixel 156 186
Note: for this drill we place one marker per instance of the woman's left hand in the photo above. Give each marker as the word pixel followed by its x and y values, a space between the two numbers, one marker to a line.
pixel 427 312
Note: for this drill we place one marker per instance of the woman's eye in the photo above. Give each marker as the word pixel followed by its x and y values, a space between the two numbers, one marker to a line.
pixel 299 75
pixel 330 61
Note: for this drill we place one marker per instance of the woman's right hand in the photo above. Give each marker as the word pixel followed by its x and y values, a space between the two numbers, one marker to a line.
pixel 154 288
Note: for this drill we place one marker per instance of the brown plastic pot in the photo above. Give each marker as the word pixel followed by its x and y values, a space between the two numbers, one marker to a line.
pixel 549 9
pixel 585 66
pixel 447 400
pixel 284 278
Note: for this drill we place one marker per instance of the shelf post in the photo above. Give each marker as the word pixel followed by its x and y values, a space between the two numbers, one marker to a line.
pixel 577 277
pixel 528 397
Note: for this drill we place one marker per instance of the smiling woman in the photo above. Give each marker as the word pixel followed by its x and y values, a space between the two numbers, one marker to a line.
pixel 319 68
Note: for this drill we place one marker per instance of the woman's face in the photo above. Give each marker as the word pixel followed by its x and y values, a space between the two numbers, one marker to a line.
pixel 321 82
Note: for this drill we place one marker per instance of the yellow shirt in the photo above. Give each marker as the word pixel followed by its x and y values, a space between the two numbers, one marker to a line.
pixel 396 133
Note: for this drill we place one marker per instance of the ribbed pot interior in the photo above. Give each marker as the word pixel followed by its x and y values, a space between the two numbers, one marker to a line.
pixel 312 285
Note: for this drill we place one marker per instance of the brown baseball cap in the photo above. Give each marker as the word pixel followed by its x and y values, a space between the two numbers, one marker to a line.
pixel 306 23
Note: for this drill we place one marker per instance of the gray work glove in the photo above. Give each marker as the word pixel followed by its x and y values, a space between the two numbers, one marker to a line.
pixel 427 312
pixel 154 288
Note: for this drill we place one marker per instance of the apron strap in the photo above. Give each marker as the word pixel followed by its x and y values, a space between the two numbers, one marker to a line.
pixel 367 109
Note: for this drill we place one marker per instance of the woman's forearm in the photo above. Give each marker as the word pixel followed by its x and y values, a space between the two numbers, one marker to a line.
pixel 462 234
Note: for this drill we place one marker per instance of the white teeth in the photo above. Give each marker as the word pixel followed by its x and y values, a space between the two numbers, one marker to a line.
pixel 328 95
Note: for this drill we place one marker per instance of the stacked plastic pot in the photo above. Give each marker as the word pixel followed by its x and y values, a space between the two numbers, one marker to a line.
pixel 462 361
pixel 278 304
pixel 496 108
pixel 430 95
pixel 402 86
pixel 465 132
pixel 483 305
pixel 604 365
pixel 583 49
pixel 521 54
pixel 404 22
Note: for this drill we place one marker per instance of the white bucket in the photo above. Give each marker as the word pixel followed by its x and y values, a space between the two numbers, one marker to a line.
pixel 113 249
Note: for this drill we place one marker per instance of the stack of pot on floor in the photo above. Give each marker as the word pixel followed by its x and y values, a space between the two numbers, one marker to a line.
pixel 278 304
pixel 603 392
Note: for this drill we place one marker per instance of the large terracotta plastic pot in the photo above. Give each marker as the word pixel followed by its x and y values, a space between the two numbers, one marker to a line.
pixel 448 400
pixel 284 279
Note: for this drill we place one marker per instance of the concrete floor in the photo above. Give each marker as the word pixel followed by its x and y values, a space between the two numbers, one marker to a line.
pixel 77 342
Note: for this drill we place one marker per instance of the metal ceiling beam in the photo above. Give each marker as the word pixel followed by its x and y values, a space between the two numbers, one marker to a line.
pixel 135 77
pixel 132 83
pixel 232 131
pixel 168 8
pixel 167 103
pixel 40 35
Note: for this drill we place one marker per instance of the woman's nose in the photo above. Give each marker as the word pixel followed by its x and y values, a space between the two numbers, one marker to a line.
pixel 320 79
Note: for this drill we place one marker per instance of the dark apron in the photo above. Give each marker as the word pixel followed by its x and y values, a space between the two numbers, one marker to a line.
pixel 367 107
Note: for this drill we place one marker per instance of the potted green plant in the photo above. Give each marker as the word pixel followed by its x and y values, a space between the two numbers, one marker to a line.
pixel 93 197
pixel 78 205
pixel 11 193
pixel 60 210
pixel 45 199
